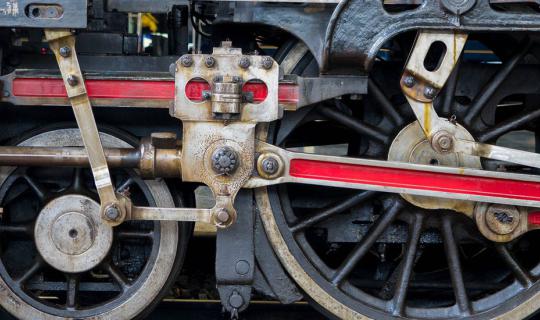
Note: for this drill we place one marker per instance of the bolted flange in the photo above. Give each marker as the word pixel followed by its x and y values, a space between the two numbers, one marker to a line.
pixel 225 160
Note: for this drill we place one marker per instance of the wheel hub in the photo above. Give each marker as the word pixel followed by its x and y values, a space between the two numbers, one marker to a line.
pixel 70 236
pixel 411 145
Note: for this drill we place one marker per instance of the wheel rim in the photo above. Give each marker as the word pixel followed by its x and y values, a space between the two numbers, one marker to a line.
pixel 126 281
pixel 298 251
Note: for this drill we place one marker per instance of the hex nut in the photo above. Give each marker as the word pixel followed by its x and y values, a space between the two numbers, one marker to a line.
pixel 112 213
pixel 210 62
pixel 430 92
pixel 65 52
pixel 225 160
pixel 244 62
pixel 222 216
pixel 409 81
pixel 72 80
pixel 186 61
pixel 270 165
pixel 267 62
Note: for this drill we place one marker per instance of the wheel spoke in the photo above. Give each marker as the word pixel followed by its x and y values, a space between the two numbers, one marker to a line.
pixel 491 87
pixel 454 266
pixel 117 275
pixel 17 229
pixel 122 234
pixel 385 103
pixel 72 291
pixel 521 275
pixel 38 264
pixel 508 125
pixel 415 230
pixel 125 185
pixel 77 179
pixel 331 210
pixel 366 242
pixel 37 187
pixel 353 124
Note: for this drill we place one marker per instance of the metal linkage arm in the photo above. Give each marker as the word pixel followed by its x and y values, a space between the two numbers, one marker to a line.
pixel 421 86
pixel 395 177
pixel 62 43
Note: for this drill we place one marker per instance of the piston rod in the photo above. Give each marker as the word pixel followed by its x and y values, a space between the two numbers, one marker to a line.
pixel 159 162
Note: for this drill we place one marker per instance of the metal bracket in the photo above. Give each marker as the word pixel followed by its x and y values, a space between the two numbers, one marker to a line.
pixel 235 257
pixel 62 43
pixel 421 86
pixel 44 13
pixel 219 132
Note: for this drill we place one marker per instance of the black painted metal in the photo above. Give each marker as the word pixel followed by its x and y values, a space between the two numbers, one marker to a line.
pixel 235 256
pixel 15 13
pixel 364 26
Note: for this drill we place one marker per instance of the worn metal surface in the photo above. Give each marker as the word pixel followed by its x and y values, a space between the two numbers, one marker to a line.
pixel 76 91
pixel 43 13
pixel 411 145
pixel 70 236
pixel 314 90
pixel 362 27
pixel 501 223
pixel 226 65
pixel 142 292
pixel 327 178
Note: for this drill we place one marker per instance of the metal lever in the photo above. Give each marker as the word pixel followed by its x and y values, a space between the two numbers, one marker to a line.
pixel 62 43
pixel 421 86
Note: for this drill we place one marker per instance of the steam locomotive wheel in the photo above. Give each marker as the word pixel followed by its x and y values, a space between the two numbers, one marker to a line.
pixel 59 261
pixel 383 256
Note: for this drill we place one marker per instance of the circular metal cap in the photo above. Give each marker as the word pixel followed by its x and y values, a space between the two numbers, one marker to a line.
pixel 225 160
pixel 458 6
pixel 70 236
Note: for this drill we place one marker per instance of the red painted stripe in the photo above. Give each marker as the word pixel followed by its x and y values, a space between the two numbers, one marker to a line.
pixel 414 179
pixel 534 217
pixel 98 89
pixel 138 89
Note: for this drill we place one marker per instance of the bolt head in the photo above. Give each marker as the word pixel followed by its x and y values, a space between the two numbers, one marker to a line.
pixel 72 80
pixel 409 81
pixel 65 52
pixel 502 220
pixel 267 62
pixel 186 61
pixel 445 142
pixel 270 165
pixel 236 300
pixel 225 160
pixel 210 62
pixel 112 213
pixel 429 92
pixel 222 216
pixel 244 62
pixel 206 95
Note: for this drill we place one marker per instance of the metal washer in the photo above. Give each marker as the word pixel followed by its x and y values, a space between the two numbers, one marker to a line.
pixel 70 236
